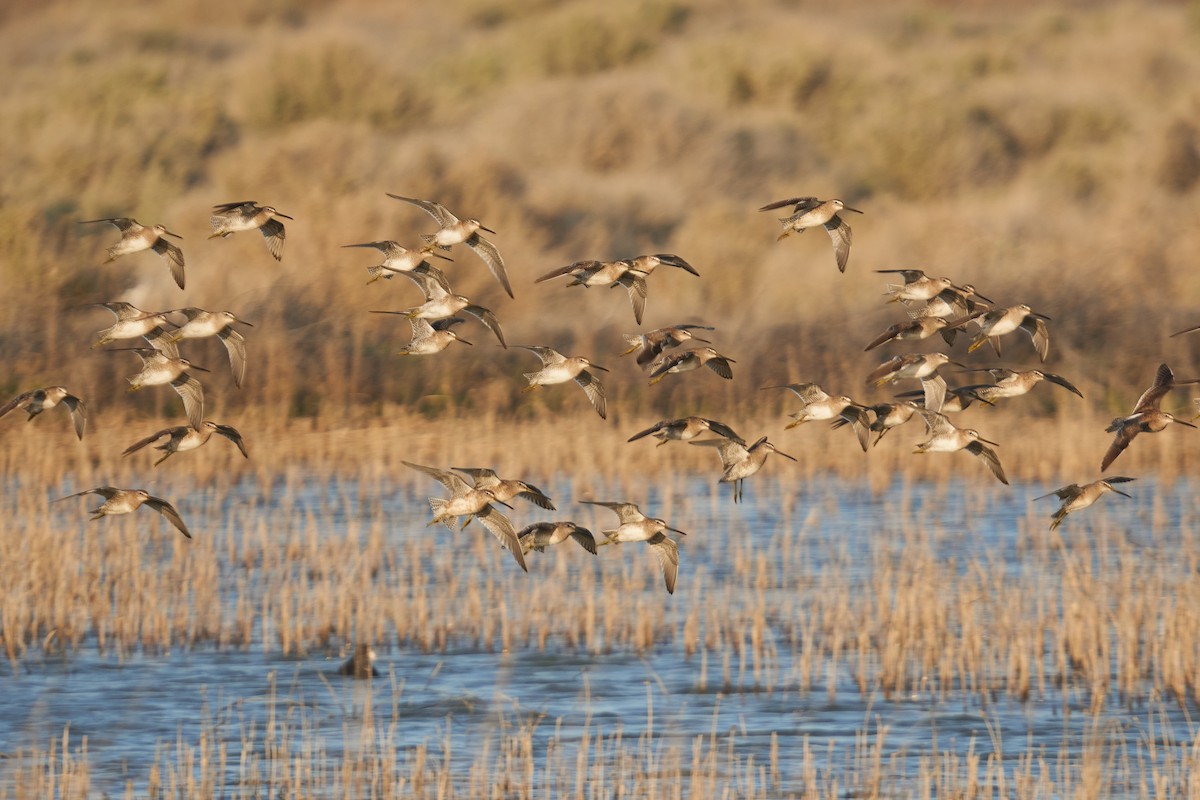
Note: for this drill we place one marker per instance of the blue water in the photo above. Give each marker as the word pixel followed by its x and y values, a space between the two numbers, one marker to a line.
pixel 131 708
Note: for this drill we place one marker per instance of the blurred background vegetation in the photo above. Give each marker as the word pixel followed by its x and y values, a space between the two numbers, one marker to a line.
pixel 1047 154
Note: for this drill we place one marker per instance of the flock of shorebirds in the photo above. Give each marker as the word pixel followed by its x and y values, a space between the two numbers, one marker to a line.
pixel 933 305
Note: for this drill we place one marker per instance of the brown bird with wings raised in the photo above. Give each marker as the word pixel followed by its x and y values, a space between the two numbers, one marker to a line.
pixel 1146 416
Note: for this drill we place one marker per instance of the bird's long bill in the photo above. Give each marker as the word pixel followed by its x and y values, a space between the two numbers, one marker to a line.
pixel 676 530
pixel 198 367
pixel 1181 422
pixel 1123 494
pixel 957 364
pixel 989 441
pixel 176 235
pixel 597 366
pixel 460 339
pixel 285 216
pixel 243 322
pixel 1040 316
pixel 785 455
pixel 485 228
pixel 848 208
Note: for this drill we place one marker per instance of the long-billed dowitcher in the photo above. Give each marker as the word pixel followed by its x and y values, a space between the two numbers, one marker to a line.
pixel 441 303
pixel 397 258
pixel 817 405
pixel 917 285
pixel 557 368
pixel 1013 383
pixel 922 325
pixel 182 438
pixel 809 212
pixel 38 400
pixel 1077 498
pixel 998 321
pixel 467 501
pixel 136 237
pixel 607 273
pixel 954 302
pixel 685 429
pixel 159 369
pixel 919 366
pixel 126 501
pixel 945 437
pixel 1146 416
pixel 652 343
pixel 540 535
pixel 955 400
pixel 246 215
pixel 461 231
pixel 689 360
pixel 203 323
pixel 637 527
pixel 506 489
pixel 133 323
pixel 739 460
pixel 429 338
pixel 887 416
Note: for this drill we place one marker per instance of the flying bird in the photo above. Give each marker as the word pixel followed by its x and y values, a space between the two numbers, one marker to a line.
pixel 809 212
pixel 557 368
pixel 637 527
pixel 1077 498
pixel 461 231
pixel 126 501
pixel 246 215
pixel 136 237
pixel 38 400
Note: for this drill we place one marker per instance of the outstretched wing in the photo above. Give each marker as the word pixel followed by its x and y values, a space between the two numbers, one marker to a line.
pixel 626 512
pixel 453 483
pixel 800 203
pixel 486 316
pixel 17 402
pixel 174 257
pixel 1040 334
pixel 235 344
pixel 548 355
pixel 635 283
pixel 840 234
pixel 990 458
pixel 730 451
pixel 1125 436
pixel 667 552
pixel 168 511
pixel 274 234
pixel 502 529
pixel 490 256
pixel 435 210
pixel 78 413
pixel 231 433
pixel 594 391
pixel 140 443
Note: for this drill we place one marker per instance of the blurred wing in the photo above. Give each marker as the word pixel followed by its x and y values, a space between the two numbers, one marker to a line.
pixel 721 429
pixel 730 451
pixel 502 529
pixel 934 387
pixel 452 482
pixel 655 428
pixel 168 511
pixel 231 433
pixel 626 512
pixel 667 552
pixel 886 336
pixel 274 234
pixel 490 256
pixel 594 391
pixel 839 233
pixel 720 365
pixel 1125 435
pixel 585 539
pixel 578 266
pixel 192 393
pixel 989 456
pixel 548 355
pixel 78 413
pixel 120 223
pixel 16 402
pixel 800 203
pixel 1040 334
pixel 537 497
pixel 140 443
pixel 174 257
pixel 635 284
pixel 489 319
pixel 235 344
pixel 435 210
pixel 1164 379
